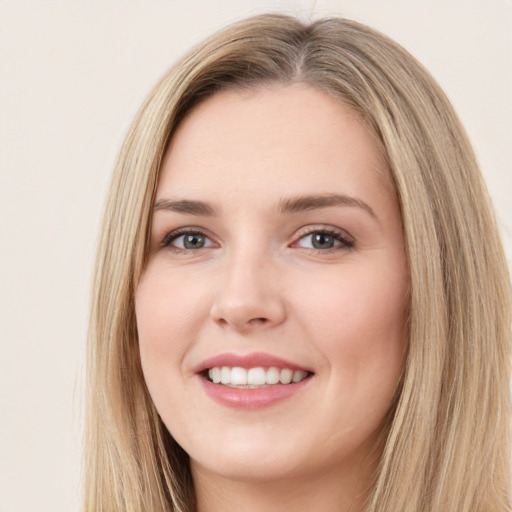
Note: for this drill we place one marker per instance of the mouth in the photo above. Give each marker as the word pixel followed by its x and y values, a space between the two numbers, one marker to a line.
pixel 252 381
pixel 254 378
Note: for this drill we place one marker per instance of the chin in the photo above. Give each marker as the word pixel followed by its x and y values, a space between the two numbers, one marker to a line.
pixel 246 459
pixel 243 469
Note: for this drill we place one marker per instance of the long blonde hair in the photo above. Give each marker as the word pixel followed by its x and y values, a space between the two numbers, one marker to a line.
pixel 447 447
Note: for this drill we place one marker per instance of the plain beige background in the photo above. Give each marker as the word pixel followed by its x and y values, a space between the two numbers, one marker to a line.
pixel 72 75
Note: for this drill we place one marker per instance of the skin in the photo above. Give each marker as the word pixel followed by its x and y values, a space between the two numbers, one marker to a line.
pixel 259 284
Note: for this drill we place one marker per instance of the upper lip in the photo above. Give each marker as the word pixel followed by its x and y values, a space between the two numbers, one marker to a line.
pixel 251 360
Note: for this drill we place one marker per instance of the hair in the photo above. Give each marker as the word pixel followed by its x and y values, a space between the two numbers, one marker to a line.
pixel 447 445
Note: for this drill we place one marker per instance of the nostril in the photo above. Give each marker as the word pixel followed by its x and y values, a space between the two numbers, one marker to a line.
pixel 257 321
pixel 244 311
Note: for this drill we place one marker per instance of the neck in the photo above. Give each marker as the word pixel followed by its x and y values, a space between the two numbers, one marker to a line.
pixel 330 491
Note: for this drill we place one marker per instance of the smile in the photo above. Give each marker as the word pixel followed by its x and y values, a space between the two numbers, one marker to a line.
pixel 254 378
pixel 252 381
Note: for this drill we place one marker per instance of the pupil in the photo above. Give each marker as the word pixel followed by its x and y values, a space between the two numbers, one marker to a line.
pixel 193 241
pixel 322 241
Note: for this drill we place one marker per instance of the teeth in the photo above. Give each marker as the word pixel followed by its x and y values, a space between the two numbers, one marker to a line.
pixel 225 375
pixel 286 376
pixel 254 377
pixel 214 374
pixel 273 375
pixel 298 376
pixel 238 376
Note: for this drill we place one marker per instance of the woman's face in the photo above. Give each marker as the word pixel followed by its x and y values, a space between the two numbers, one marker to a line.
pixel 276 254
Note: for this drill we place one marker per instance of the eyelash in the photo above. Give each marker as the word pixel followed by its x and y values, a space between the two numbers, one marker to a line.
pixel 345 241
pixel 174 235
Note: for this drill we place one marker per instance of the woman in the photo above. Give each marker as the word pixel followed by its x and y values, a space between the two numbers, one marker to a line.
pixel 301 299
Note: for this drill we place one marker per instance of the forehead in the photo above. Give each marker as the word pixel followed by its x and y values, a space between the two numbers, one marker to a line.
pixel 270 136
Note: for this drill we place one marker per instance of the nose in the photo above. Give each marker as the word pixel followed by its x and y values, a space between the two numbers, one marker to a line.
pixel 249 297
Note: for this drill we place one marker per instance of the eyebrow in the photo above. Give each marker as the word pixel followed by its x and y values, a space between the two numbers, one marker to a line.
pixel 291 205
pixel 305 203
pixel 186 206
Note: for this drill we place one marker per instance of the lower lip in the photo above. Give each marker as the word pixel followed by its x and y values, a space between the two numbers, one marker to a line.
pixel 252 398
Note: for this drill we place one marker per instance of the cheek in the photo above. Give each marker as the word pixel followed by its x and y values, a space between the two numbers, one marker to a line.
pixel 359 323
pixel 166 303
pixel 368 297
pixel 166 311
pixel 355 318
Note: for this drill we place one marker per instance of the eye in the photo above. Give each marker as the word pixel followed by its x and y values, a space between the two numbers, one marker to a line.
pixel 324 240
pixel 187 241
